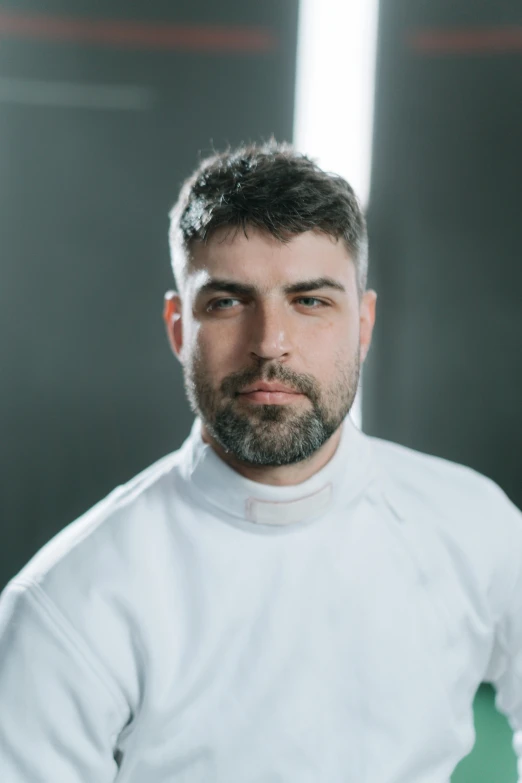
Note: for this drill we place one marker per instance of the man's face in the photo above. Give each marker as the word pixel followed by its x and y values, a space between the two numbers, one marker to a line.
pixel 257 312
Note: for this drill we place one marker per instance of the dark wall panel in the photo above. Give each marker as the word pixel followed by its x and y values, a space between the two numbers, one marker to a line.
pixel 103 111
pixel 445 371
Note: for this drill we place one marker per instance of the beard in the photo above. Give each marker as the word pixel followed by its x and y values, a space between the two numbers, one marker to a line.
pixel 271 435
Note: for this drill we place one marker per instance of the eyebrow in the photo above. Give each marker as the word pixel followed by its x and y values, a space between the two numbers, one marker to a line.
pixel 242 289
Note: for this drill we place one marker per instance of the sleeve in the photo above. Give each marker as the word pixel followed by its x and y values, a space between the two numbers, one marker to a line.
pixel 505 668
pixel 60 713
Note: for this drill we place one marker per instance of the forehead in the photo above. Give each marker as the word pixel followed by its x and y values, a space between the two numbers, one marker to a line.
pixel 260 258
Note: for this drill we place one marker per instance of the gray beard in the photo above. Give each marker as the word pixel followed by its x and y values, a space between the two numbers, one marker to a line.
pixel 271 435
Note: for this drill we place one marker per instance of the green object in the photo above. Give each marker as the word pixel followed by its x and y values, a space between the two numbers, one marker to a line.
pixel 492 759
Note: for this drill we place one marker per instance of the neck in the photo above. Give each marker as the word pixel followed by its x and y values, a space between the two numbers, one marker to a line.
pixel 281 475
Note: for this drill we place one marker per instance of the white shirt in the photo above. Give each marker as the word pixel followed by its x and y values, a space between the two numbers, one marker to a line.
pixel 199 627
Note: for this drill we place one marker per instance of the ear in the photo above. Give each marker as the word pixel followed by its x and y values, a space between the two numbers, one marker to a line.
pixel 172 316
pixel 366 321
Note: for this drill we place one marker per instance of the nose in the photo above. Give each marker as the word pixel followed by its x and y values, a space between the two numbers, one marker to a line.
pixel 269 332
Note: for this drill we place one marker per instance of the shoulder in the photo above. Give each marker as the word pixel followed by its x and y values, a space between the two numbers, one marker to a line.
pixel 444 484
pixel 93 588
pixel 452 508
pixel 97 543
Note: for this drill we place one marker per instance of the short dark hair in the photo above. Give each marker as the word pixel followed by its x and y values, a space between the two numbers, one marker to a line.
pixel 270 187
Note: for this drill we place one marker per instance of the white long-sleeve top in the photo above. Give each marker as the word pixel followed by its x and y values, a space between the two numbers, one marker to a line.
pixel 197 626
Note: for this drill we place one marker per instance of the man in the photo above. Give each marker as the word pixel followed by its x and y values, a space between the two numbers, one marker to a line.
pixel 284 598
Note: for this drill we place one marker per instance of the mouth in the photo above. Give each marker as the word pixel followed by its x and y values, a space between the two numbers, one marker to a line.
pixel 270 395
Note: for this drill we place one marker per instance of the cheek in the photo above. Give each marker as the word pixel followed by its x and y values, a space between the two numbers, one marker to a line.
pixel 218 349
pixel 332 343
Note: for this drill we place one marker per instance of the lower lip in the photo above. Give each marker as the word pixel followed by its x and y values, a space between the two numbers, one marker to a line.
pixel 271 398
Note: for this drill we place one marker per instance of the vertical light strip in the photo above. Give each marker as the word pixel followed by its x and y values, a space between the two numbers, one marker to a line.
pixel 335 84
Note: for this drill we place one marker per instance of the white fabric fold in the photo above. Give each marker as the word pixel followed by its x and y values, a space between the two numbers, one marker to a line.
pixel 197 626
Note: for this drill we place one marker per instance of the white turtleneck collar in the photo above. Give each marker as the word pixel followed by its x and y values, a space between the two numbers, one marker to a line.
pixel 220 486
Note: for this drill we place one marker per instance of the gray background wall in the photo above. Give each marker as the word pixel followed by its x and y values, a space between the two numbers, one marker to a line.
pixel 89 392
pixel 445 371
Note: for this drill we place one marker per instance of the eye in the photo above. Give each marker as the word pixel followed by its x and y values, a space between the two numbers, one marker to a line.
pixel 311 302
pixel 221 304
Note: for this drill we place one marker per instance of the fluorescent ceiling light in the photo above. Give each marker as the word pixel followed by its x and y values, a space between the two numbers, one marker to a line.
pixel 335 81
pixel 335 85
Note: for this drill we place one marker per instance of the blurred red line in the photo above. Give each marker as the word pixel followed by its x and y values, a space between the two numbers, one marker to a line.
pixel 142 35
pixel 466 41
